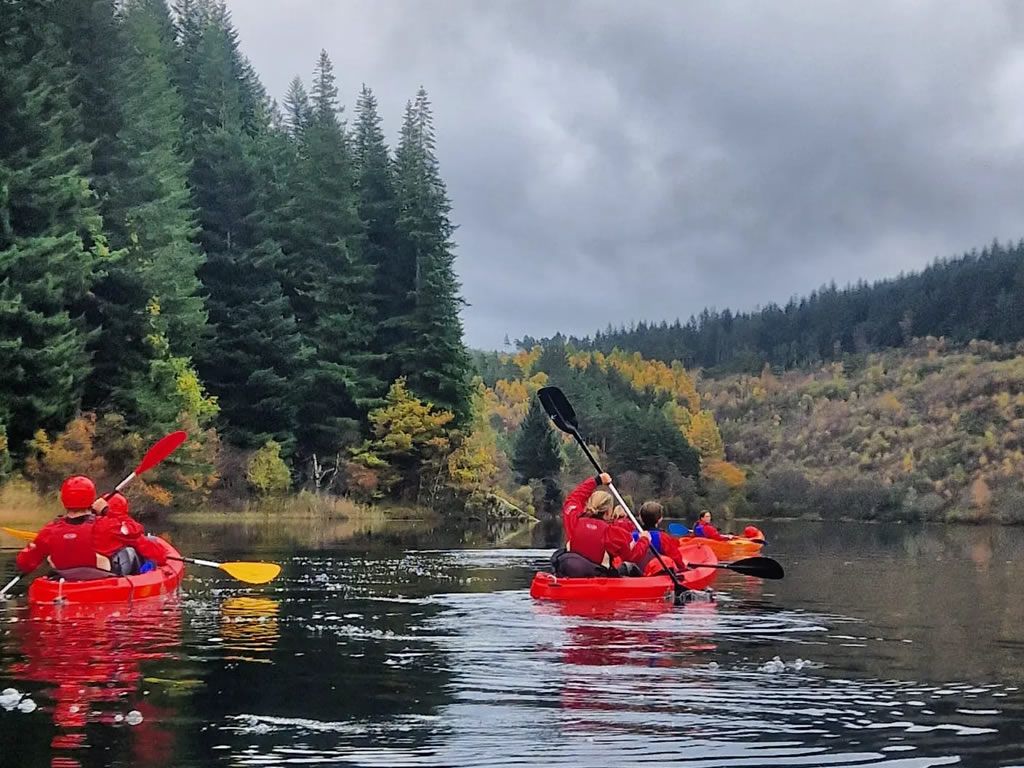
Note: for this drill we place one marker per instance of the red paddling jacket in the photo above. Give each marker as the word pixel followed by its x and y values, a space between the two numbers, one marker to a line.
pixel 86 542
pixel 594 538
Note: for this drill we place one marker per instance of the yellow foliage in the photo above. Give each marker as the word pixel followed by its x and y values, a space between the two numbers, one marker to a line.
pixel 703 435
pixel 725 472
pixel 267 472
pixel 527 359
pixel 889 403
pixel 645 375
pixel 981 495
pixel 510 400
pixel 473 465
pixel 908 461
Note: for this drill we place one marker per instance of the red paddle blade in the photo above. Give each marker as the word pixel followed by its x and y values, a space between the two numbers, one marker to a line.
pixel 163 448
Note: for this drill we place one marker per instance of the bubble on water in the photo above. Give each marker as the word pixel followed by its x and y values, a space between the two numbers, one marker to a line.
pixel 9 698
pixel 27 705
pixel 134 717
pixel 713 666
pixel 119 718
pixel 772 667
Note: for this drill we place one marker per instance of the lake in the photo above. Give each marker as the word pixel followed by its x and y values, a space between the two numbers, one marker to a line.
pixel 884 646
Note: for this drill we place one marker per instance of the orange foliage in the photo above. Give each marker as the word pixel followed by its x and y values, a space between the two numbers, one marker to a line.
pixel 725 472
pixel 72 453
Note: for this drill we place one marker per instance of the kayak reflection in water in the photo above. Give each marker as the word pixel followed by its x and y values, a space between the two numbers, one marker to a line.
pixel 593 537
pixel 83 545
pixel 89 658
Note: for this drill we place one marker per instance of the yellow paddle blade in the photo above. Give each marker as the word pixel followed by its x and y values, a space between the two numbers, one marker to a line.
pixel 253 573
pixel 19 534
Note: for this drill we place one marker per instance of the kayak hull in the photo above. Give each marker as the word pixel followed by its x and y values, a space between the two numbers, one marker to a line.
pixel 547 586
pixel 120 589
pixel 731 549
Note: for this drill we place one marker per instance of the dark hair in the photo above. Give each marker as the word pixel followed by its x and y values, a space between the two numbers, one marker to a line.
pixel 651 513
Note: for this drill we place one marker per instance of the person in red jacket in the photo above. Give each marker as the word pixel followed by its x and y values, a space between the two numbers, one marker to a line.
pixel 80 545
pixel 651 514
pixel 122 539
pixel 593 538
pixel 703 527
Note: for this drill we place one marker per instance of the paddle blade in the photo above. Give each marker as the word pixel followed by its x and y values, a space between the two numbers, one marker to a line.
pixel 163 448
pixel 252 573
pixel 678 529
pixel 559 409
pixel 759 567
pixel 19 534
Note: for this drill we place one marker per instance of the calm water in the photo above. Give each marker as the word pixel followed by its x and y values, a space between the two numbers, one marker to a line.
pixel 897 647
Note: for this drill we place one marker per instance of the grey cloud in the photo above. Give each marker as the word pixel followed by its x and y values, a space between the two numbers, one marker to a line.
pixel 611 162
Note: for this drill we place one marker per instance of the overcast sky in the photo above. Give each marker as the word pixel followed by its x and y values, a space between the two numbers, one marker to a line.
pixel 618 161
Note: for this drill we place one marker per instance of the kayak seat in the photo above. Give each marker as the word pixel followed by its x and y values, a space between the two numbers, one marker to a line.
pixel 82 574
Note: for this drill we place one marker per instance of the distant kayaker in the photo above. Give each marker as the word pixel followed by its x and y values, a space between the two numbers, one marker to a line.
pixel 593 539
pixel 703 527
pixel 80 545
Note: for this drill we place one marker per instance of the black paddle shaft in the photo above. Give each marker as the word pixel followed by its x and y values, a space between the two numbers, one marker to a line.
pixel 558 407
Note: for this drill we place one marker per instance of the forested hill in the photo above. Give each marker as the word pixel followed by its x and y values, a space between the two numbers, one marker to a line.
pixel 976 296
pixel 178 251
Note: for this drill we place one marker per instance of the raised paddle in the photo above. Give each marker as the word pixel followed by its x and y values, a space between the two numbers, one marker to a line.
pixel 558 407
pixel 163 448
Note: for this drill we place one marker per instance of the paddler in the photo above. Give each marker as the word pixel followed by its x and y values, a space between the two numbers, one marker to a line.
pixel 592 535
pixel 79 545
pixel 704 528
pixel 651 515
pixel 122 539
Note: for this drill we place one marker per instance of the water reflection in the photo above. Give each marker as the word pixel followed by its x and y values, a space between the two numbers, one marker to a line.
pixel 896 647
pixel 87 663
pixel 249 626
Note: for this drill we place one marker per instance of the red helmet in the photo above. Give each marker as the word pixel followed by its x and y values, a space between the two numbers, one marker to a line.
pixel 752 532
pixel 117 504
pixel 77 492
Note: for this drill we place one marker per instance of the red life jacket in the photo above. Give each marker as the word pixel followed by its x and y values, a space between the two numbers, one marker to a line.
pixel 72 545
pixel 588 539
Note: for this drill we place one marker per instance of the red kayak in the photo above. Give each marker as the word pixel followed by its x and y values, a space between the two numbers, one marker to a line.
pixel 547 586
pixel 115 589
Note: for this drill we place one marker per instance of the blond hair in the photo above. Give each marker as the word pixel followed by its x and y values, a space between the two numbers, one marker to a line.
pixel 599 504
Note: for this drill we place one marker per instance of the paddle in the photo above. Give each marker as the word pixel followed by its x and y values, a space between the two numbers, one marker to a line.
pixel 251 573
pixel 6 589
pixel 760 567
pixel 562 414
pixel 19 534
pixel 161 449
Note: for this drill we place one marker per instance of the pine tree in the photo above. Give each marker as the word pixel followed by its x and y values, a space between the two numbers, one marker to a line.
pixel 537 455
pixel 150 306
pixel 50 239
pixel 378 209
pixel 431 352
pixel 327 281
pixel 296 108
pixel 252 358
